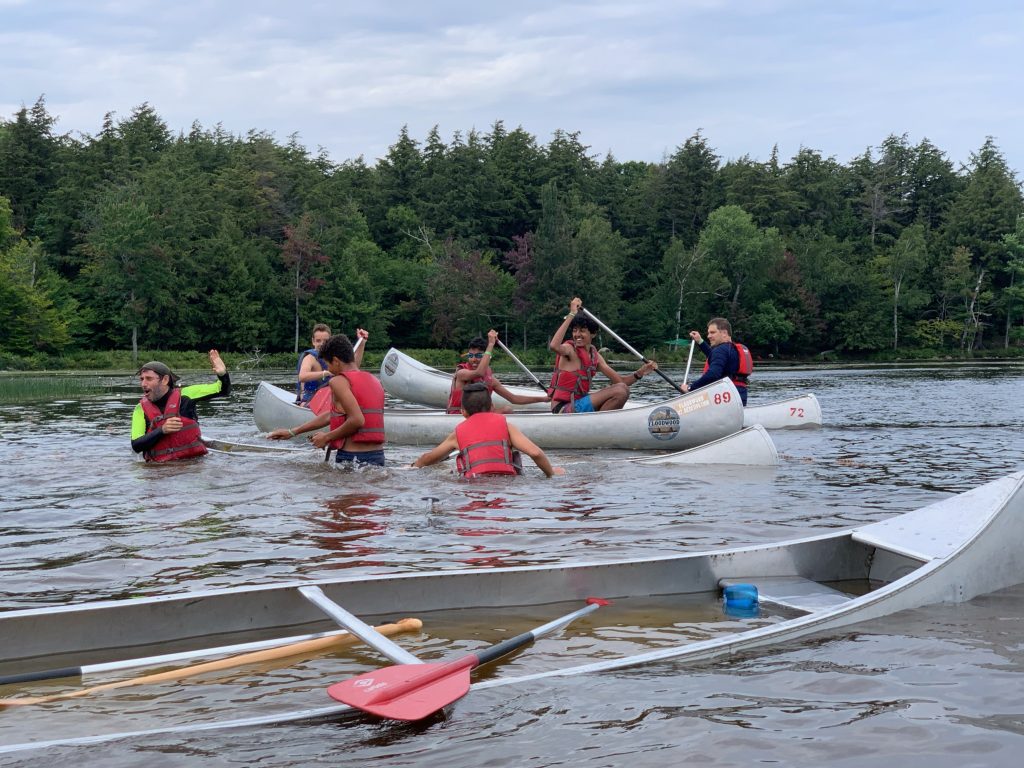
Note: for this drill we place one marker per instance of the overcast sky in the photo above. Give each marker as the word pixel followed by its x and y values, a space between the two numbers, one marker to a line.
pixel 633 77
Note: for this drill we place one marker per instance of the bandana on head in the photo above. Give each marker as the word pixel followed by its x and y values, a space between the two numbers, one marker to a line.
pixel 159 369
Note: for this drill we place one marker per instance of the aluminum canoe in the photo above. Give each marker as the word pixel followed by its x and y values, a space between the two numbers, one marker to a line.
pixel 406 378
pixel 950 551
pixel 682 422
pixel 801 412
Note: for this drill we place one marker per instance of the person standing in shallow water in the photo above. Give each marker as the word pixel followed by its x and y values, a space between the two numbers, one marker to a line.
pixel 165 425
pixel 356 417
pixel 486 442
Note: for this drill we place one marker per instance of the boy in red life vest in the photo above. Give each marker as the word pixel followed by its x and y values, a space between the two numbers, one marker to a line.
pixel 165 425
pixel 356 417
pixel 724 358
pixel 486 442
pixel 576 364
pixel 477 368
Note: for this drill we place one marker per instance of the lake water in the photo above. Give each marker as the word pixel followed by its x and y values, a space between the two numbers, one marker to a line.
pixel 82 519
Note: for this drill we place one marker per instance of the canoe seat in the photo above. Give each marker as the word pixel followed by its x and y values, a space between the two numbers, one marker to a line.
pixel 793 592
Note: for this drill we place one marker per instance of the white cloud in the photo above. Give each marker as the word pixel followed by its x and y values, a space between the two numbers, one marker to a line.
pixel 633 78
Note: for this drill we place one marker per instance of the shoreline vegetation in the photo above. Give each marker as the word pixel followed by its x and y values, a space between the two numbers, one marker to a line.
pixel 539 359
pixel 96 373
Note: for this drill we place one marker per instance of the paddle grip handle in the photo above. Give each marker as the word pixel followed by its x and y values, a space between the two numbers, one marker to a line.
pixel 46 674
pixel 504 648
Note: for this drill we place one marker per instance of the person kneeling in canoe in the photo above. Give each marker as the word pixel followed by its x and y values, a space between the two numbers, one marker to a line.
pixel 576 364
pixel 165 426
pixel 486 442
pixel 356 416
pixel 477 368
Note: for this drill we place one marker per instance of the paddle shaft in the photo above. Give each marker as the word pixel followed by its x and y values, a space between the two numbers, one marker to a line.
pixel 626 346
pixel 228 447
pixel 162 659
pixel 529 373
pixel 357 626
pixel 689 359
pixel 308 646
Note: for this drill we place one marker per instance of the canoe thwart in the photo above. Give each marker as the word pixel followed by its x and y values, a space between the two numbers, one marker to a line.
pixel 793 592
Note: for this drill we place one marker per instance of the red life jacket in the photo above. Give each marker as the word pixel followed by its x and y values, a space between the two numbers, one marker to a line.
pixel 567 386
pixel 455 395
pixel 370 396
pixel 485 447
pixel 183 444
pixel 746 365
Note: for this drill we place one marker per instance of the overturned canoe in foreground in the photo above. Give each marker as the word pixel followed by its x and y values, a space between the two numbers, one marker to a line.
pixel 406 378
pixel 671 425
pixel 949 551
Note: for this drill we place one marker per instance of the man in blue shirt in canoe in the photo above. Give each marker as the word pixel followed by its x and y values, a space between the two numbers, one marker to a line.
pixel 724 358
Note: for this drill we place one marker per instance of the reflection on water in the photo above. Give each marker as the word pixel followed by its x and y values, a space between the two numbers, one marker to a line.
pixel 81 519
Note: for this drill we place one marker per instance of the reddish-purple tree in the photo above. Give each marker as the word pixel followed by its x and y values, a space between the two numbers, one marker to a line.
pixel 301 254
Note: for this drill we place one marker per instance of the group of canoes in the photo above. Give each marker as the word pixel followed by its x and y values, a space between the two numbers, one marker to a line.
pixel 342 407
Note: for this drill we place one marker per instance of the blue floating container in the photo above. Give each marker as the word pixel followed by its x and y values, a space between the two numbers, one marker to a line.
pixel 740 600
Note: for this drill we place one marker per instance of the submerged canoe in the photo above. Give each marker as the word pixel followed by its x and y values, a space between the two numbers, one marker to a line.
pixel 677 424
pixel 752 447
pixel 406 378
pixel 950 551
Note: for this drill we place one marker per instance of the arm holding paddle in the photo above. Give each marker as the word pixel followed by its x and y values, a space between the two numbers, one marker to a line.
pixel 627 347
pixel 716 363
pixel 558 345
pixel 630 378
pixel 359 347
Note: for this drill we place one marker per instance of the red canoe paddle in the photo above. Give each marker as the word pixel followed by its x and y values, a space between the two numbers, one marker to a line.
pixel 414 691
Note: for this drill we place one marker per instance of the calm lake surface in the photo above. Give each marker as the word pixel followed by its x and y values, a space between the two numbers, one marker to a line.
pixel 81 518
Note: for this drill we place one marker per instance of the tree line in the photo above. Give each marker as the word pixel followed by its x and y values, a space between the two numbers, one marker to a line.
pixel 140 236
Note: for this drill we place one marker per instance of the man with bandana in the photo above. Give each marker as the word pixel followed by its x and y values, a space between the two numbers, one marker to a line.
pixel 165 425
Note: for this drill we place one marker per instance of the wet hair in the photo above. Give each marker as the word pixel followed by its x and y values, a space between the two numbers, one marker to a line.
pixel 338 346
pixel 721 324
pixel 476 398
pixel 320 327
pixel 582 321
pixel 477 342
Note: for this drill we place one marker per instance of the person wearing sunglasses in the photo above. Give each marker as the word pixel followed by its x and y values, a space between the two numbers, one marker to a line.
pixel 476 367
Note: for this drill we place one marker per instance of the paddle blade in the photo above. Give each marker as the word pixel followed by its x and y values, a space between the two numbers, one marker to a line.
pixel 406 691
pixel 321 401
